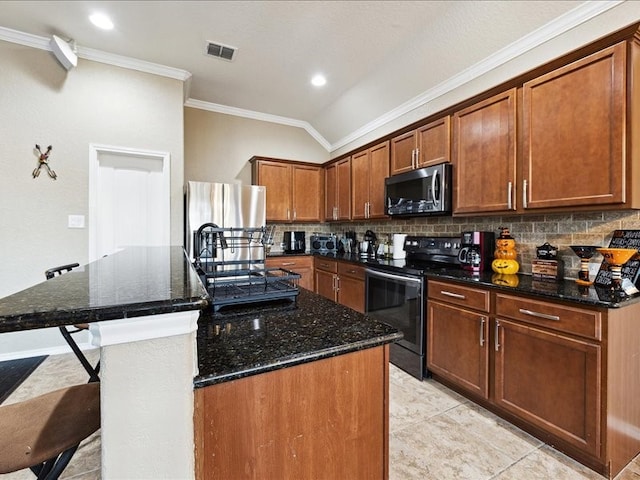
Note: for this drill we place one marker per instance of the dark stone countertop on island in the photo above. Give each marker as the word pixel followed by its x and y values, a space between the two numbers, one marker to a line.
pixel 136 281
pixel 261 338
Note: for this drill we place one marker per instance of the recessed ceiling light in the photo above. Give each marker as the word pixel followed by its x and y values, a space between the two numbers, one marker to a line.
pixel 318 80
pixel 100 20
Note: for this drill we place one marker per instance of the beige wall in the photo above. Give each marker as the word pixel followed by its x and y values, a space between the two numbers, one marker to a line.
pixel 93 103
pixel 218 146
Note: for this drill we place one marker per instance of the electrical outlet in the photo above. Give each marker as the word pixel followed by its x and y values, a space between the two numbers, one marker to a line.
pixel 76 221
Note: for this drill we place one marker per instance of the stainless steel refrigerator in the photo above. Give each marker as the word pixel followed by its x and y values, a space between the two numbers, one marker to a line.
pixel 227 206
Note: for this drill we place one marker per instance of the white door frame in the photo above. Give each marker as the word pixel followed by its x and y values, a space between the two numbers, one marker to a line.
pixel 94 173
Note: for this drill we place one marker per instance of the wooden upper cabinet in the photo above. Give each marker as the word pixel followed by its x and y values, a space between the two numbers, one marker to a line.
pixel 427 145
pixel 403 152
pixel 338 190
pixel 330 192
pixel 294 190
pixel 369 169
pixel 574 133
pixel 484 155
pixel 276 177
pixel 307 193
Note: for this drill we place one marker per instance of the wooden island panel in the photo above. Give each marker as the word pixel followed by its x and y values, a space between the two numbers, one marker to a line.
pixel 322 419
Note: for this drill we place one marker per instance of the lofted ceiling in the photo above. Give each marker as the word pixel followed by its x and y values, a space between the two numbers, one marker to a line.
pixel 377 55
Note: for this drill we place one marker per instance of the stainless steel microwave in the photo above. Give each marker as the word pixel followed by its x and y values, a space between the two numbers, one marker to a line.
pixel 421 192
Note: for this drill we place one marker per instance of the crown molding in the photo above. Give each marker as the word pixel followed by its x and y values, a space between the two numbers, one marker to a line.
pixel 35 41
pixel 553 29
pixel 265 117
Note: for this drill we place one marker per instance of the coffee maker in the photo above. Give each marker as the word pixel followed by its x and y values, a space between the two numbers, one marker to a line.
pixel 294 242
pixel 476 251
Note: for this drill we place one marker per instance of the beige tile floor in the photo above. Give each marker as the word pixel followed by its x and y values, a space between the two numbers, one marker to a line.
pixel 436 434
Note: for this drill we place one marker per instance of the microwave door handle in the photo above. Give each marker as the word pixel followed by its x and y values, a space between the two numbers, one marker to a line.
pixel 434 181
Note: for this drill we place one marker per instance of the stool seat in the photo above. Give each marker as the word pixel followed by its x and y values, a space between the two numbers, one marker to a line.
pixel 40 429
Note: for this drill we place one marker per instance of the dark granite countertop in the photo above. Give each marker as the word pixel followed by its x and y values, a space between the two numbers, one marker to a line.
pixel 259 339
pixel 134 282
pixel 566 290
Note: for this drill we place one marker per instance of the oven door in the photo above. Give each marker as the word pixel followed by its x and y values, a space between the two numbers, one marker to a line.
pixel 398 300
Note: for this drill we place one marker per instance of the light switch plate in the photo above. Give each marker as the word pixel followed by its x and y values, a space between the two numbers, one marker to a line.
pixel 76 221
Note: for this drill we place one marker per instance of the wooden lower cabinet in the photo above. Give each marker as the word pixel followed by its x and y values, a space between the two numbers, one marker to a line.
pixel 351 286
pixel 457 346
pixel 340 281
pixel 325 274
pixel 568 374
pixel 324 419
pixel 302 264
pixel 550 380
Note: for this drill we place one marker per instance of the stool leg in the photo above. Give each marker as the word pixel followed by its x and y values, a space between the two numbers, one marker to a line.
pixel 93 376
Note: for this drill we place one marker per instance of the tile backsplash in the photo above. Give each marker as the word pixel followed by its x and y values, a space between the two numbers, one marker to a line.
pixel 560 230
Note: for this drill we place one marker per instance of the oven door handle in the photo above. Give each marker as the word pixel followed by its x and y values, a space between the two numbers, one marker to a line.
pixel 391 276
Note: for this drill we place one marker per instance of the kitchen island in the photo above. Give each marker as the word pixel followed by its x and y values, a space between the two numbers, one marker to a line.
pixel 292 391
pixel 144 307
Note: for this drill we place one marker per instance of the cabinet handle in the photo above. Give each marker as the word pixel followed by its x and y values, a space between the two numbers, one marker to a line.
pixel 413 159
pixel 451 294
pixel 524 193
pixel 286 264
pixel 546 316
pixel 482 322
pixel 288 214
pixel 294 214
pixel 496 337
pixel 417 157
pixel 335 213
pixel 337 283
pixel 509 195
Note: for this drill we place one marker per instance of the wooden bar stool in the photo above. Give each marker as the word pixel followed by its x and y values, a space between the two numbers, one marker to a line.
pixel 67 332
pixel 44 432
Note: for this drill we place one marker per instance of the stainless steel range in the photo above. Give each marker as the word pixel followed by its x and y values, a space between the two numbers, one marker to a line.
pixel 396 292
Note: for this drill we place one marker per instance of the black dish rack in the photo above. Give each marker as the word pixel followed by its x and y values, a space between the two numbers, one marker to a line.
pixel 231 265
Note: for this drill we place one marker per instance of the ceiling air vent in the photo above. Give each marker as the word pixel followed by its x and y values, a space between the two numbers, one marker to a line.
pixel 221 51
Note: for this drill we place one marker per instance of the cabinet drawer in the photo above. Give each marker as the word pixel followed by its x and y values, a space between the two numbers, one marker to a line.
pixel 579 321
pixel 325 264
pixel 459 295
pixel 351 270
pixel 290 263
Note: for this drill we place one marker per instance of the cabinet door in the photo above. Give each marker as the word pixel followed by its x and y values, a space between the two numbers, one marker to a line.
pixel 330 192
pixel 307 190
pixel 343 189
pixel 276 177
pixel 325 284
pixel 550 380
pixel 457 347
pixel 378 172
pixel 351 293
pixel 359 185
pixel 574 138
pixel 434 142
pixel 485 155
pixel 402 152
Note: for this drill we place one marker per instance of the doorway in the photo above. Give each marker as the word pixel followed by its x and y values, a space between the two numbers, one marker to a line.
pixel 129 199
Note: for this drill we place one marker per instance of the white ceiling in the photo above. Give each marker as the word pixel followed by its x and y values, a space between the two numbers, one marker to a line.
pixel 377 55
